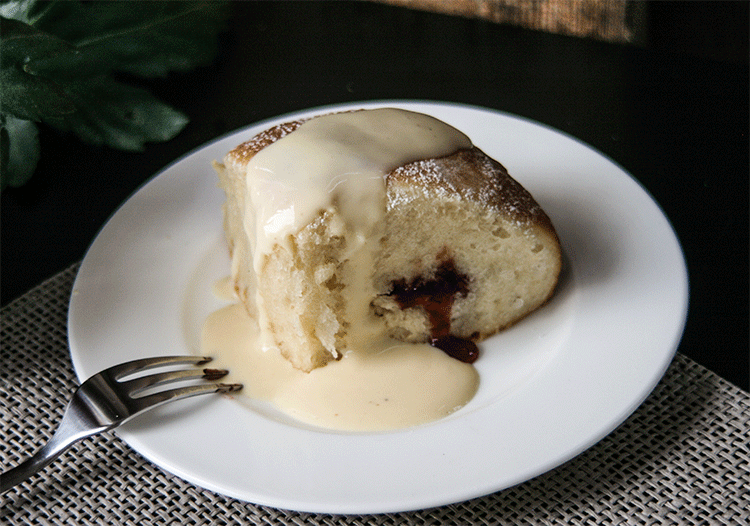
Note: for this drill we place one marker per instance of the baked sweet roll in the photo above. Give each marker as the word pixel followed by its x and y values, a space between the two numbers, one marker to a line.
pixel 350 226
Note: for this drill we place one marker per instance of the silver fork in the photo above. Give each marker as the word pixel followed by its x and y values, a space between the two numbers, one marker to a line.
pixel 113 396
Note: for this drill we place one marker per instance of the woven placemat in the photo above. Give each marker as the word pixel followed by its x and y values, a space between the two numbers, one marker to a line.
pixel 682 458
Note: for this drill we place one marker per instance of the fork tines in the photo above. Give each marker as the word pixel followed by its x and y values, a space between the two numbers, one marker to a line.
pixel 137 389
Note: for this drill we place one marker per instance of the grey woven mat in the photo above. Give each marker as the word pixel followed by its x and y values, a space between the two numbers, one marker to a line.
pixel 682 458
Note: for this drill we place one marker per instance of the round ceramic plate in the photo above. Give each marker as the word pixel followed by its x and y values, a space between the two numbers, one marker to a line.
pixel 550 387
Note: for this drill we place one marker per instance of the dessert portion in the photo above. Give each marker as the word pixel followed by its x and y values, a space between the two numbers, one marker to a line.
pixel 352 225
pixel 469 245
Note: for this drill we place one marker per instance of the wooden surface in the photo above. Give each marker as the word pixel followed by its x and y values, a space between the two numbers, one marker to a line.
pixel 610 20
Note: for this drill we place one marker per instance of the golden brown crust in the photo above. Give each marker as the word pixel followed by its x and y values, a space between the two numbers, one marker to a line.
pixel 475 176
pixel 470 173
pixel 243 152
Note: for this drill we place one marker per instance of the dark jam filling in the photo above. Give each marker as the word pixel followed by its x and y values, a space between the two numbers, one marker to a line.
pixel 436 296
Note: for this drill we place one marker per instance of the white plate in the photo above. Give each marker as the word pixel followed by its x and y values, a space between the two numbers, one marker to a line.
pixel 551 386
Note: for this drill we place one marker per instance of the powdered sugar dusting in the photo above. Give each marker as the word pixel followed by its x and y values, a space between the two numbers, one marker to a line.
pixel 470 174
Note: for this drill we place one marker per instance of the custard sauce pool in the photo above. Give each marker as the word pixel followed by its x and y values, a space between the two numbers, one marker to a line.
pixel 383 385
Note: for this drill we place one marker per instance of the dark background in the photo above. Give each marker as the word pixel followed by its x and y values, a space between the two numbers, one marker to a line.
pixel 673 111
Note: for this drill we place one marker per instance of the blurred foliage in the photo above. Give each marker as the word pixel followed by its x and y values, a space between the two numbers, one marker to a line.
pixel 59 62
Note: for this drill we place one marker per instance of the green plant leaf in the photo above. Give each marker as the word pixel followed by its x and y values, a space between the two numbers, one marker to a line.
pixel 148 39
pixel 39 12
pixel 59 57
pixel 118 115
pixel 98 109
pixel 23 94
pixel 19 151
pixel 20 10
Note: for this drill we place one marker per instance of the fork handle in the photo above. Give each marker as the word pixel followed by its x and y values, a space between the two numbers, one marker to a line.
pixel 69 432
